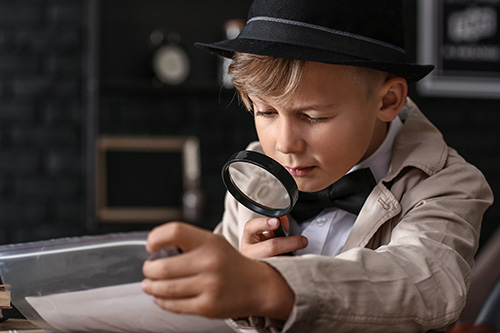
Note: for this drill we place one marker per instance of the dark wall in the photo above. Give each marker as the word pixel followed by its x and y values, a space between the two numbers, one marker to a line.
pixel 133 102
pixel 41 108
pixel 43 56
pixel 469 125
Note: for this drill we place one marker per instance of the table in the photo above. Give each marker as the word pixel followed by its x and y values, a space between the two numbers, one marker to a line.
pixel 19 325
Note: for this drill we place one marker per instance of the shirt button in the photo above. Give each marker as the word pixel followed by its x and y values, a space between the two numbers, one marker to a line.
pixel 321 222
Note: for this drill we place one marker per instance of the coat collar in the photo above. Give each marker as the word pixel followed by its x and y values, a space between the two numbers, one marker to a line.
pixel 420 145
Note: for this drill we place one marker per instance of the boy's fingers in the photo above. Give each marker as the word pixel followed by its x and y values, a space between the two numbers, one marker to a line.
pixel 177 235
pixel 276 246
pixel 256 227
pixel 288 244
pixel 172 267
pixel 173 289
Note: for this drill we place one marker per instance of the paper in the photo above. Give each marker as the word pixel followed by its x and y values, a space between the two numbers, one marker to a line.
pixel 122 308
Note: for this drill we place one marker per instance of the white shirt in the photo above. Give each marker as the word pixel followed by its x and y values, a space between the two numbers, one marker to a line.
pixel 327 232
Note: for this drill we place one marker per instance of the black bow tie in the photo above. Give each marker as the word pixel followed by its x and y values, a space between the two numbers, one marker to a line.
pixel 348 193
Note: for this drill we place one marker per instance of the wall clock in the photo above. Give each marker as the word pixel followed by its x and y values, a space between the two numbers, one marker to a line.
pixel 171 63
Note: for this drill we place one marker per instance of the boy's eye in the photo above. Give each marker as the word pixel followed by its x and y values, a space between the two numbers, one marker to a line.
pixel 314 119
pixel 304 116
pixel 266 114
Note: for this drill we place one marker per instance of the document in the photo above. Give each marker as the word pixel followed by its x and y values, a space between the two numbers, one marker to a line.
pixel 121 308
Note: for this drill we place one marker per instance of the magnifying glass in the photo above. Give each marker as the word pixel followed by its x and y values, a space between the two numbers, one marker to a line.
pixel 261 184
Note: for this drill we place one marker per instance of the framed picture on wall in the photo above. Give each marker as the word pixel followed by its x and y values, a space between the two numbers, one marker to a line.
pixel 462 39
pixel 144 179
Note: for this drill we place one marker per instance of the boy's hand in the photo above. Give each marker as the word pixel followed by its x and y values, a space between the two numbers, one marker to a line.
pixel 210 278
pixel 258 240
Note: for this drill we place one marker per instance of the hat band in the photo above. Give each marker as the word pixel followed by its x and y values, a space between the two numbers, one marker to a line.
pixel 298 33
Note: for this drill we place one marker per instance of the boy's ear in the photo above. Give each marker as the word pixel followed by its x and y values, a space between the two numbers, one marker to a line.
pixel 393 93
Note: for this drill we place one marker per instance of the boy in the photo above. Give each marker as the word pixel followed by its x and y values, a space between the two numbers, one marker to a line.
pixel 327 84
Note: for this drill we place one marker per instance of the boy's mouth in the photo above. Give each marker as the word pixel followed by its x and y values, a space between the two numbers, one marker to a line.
pixel 299 171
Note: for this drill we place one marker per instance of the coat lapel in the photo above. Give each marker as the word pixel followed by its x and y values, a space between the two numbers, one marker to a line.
pixel 380 207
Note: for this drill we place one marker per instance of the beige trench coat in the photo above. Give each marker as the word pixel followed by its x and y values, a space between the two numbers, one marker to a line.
pixel 407 262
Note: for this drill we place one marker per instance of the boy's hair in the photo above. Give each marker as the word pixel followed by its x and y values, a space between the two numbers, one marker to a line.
pixel 279 78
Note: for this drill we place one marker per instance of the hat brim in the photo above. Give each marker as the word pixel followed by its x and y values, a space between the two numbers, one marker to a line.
pixel 410 71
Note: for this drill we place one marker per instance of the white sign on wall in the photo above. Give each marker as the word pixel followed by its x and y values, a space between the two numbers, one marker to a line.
pixel 462 39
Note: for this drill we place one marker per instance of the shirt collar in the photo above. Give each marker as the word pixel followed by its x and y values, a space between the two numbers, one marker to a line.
pixel 380 161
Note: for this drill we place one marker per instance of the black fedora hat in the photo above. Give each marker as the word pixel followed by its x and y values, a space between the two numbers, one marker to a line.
pixel 365 33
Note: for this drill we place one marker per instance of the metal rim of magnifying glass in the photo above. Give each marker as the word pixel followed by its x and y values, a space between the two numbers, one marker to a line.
pixel 271 166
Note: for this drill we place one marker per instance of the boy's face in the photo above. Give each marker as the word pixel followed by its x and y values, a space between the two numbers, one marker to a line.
pixel 326 128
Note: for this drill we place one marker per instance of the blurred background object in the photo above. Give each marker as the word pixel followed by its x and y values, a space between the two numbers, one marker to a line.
pixel 462 39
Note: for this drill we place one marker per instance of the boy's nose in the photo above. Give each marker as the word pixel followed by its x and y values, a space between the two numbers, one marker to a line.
pixel 289 139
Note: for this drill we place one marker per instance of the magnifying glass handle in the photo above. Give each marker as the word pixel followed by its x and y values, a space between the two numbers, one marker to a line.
pixel 280 232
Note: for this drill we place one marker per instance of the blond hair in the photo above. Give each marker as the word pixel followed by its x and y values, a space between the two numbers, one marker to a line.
pixel 279 78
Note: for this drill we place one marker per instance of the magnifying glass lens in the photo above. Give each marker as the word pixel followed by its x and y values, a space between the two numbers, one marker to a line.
pixel 259 186
pixel 260 183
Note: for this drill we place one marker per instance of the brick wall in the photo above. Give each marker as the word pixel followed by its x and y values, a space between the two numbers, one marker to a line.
pixel 41 47
pixel 42 132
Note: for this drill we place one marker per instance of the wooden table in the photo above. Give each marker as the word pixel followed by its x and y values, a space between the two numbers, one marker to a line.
pixel 19 325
